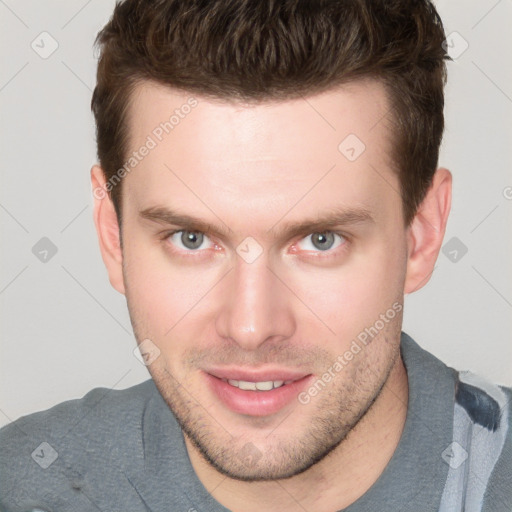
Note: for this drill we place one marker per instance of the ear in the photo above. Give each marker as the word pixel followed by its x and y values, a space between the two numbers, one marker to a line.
pixel 107 228
pixel 426 232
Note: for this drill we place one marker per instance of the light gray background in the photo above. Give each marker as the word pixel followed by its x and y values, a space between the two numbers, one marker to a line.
pixel 64 330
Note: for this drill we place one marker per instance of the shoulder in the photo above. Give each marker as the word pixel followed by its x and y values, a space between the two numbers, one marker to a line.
pixel 477 413
pixel 99 408
pixel 485 403
pixel 97 427
pixel 483 417
pixel 482 437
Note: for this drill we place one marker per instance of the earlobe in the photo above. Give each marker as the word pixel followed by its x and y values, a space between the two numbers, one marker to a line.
pixel 426 232
pixel 107 229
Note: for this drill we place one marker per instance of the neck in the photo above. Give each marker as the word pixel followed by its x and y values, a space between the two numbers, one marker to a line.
pixel 336 481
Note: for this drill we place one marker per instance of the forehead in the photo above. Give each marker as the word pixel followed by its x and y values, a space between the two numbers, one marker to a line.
pixel 208 155
pixel 355 107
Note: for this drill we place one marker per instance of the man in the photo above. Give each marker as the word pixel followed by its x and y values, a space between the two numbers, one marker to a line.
pixel 267 193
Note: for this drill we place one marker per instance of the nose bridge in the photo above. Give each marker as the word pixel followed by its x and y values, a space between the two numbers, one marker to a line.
pixel 255 307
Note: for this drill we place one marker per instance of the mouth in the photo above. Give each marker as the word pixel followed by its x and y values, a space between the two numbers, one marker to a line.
pixel 256 394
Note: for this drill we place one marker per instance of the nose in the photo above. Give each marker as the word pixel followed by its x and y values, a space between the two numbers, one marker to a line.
pixel 256 307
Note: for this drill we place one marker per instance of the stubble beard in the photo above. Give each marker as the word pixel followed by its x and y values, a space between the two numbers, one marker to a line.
pixel 290 449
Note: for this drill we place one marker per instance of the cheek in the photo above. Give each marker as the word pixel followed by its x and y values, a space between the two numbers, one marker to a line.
pixel 163 296
pixel 378 283
pixel 351 297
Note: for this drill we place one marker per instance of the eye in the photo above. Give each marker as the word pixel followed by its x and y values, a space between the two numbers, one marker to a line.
pixel 321 241
pixel 189 240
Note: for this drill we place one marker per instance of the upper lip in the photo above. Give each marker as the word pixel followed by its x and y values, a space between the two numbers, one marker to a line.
pixel 256 375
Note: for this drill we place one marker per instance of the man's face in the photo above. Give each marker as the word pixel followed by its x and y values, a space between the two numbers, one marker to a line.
pixel 245 298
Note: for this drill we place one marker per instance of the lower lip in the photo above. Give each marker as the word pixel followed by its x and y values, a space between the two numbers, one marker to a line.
pixel 256 403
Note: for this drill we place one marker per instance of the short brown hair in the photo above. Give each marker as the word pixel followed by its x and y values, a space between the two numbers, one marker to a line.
pixel 262 50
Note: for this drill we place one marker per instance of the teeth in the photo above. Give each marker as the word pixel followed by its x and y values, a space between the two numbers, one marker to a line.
pixel 259 386
pixel 246 386
pixel 265 386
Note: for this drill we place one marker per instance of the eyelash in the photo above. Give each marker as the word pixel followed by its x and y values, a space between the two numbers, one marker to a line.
pixel 318 254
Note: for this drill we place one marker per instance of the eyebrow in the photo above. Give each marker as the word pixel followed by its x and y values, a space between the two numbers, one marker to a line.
pixel 334 217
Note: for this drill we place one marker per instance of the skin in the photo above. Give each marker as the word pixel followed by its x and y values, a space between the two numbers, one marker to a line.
pixel 249 168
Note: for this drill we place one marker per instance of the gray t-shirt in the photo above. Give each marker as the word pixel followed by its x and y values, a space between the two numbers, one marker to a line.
pixel 124 451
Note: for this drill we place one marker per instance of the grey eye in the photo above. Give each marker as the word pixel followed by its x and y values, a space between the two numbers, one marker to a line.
pixel 191 239
pixel 321 241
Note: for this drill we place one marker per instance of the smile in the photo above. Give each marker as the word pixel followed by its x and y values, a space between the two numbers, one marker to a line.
pixel 255 396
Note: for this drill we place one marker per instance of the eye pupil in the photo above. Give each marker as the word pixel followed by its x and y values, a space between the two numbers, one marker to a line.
pixel 325 240
pixel 191 239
